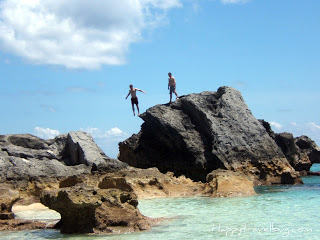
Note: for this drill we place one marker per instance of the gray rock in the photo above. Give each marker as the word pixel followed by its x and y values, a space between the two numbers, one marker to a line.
pixel 23 156
pixel 301 152
pixel 203 132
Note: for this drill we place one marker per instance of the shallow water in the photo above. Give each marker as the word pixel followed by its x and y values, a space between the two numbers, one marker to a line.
pixel 288 212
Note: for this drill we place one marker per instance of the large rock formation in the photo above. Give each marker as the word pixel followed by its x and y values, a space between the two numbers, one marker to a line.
pixel 207 131
pixel 87 209
pixel 24 157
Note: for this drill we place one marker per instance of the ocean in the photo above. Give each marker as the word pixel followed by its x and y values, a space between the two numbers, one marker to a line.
pixel 276 212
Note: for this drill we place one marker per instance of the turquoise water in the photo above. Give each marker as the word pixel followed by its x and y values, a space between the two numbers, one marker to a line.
pixel 277 212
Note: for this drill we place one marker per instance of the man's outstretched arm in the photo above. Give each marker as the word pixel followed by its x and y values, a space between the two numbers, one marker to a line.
pixel 140 90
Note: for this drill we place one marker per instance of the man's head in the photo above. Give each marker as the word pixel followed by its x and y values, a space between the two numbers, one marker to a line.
pixel 169 74
pixel 130 86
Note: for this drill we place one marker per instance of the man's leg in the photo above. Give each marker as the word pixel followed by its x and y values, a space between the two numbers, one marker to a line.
pixel 176 94
pixel 138 109
pixel 133 109
pixel 170 97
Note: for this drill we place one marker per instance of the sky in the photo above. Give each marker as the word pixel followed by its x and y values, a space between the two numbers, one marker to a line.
pixel 67 65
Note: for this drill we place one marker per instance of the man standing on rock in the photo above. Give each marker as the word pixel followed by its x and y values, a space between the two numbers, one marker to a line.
pixel 172 86
pixel 134 98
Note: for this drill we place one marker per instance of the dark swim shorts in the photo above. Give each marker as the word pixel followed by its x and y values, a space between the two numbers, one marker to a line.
pixel 172 88
pixel 134 100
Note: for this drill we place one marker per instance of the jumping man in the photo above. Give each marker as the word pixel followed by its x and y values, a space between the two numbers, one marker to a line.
pixel 134 98
pixel 172 86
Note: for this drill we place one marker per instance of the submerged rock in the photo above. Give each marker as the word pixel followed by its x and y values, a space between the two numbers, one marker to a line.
pixel 202 132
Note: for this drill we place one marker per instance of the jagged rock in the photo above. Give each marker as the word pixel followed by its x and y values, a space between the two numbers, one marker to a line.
pixel 19 225
pixel 308 147
pixel 23 156
pixel 85 209
pixel 301 152
pixel 151 183
pixel 203 132
pixel 313 173
pixel 83 149
pixel 226 183
pixel 7 198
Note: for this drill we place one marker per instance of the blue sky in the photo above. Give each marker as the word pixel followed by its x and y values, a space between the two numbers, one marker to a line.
pixel 66 65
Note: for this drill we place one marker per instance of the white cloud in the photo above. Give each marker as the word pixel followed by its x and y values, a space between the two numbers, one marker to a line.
pixel 314 126
pixel 276 125
pixel 45 133
pixel 108 140
pixel 113 133
pixel 310 129
pixel 77 33
pixel 49 108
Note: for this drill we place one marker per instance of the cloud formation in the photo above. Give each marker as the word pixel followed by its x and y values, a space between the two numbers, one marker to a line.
pixel 275 125
pixel 310 129
pixel 108 140
pixel 77 33
pixel 46 133
pixel 113 133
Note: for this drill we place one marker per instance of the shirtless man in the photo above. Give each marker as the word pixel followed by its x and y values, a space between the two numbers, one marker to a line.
pixel 172 86
pixel 134 98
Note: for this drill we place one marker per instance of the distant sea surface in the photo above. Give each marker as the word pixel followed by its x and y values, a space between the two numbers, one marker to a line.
pixel 277 212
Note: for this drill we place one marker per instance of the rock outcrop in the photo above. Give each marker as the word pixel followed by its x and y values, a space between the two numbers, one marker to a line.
pixel 24 157
pixel 151 183
pixel 7 198
pixel 203 132
pixel 301 152
pixel 86 209
pixel 230 184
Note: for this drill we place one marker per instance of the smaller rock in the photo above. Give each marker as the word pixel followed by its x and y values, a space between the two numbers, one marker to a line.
pixel 313 173
pixel 20 225
pixel 226 183
pixel 7 198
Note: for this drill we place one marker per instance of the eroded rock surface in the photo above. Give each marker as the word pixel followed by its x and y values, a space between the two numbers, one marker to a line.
pixel 24 157
pixel 202 132
pixel 301 152
pixel 86 209
pixel 7 198
pixel 225 183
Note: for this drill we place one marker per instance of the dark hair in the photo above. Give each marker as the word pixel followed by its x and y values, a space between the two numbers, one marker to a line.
pixel 130 85
pixel 169 73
